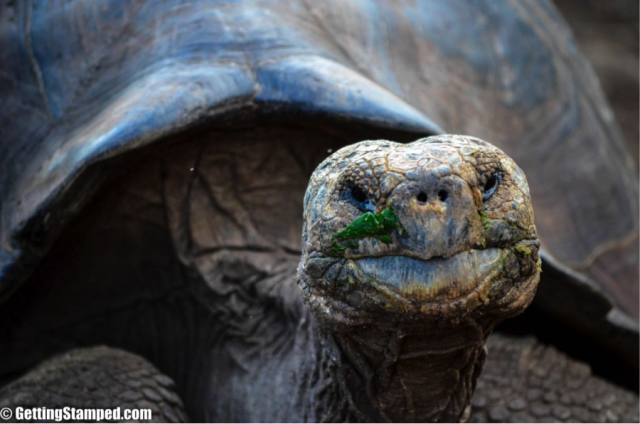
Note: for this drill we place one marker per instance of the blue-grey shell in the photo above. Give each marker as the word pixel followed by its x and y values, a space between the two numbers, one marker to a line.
pixel 84 82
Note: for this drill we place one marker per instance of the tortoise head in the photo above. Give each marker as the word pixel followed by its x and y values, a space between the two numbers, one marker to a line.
pixel 441 227
pixel 432 242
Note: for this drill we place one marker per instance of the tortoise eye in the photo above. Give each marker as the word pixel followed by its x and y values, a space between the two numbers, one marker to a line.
pixel 357 197
pixel 490 186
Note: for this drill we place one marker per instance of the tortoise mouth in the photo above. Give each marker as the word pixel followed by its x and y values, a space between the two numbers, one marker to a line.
pixel 437 278
pixel 417 280
pixel 498 281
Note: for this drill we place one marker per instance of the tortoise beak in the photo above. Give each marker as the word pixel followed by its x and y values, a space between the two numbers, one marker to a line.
pixel 420 280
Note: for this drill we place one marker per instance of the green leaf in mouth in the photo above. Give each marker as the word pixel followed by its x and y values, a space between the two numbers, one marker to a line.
pixel 378 225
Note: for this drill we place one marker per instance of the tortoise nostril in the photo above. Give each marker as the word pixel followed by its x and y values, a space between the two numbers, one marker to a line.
pixel 443 195
pixel 422 197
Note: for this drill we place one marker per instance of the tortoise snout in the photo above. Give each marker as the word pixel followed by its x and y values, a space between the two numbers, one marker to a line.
pixel 438 213
pixel 427 191
pixel 425 196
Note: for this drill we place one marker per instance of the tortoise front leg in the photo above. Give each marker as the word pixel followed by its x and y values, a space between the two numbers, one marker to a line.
pixel 526 381
pixel 99 377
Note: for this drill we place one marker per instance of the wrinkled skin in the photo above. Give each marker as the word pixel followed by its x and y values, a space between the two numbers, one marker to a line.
pixel 188 259
pixel 215 307
pixel 462 257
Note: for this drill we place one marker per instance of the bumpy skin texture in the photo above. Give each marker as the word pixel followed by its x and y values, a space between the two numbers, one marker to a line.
pixel 396 176
pixel 85 87
pixel 98 377
pixel 410 313
pixel 525 381
pixel 213 302
pixel 98 84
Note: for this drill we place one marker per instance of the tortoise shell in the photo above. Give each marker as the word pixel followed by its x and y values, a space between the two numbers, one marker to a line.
pixel 84 85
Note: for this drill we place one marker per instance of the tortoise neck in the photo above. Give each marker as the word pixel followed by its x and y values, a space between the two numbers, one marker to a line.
pixel 394 375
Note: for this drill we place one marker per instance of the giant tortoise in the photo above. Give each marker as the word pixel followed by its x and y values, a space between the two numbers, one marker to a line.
pixel 154 160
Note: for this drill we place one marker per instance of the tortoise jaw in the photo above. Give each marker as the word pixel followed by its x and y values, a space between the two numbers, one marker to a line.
pixel 403 288
pixel 437 278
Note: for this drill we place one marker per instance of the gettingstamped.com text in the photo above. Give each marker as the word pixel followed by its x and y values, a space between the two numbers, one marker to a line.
pixel 68 413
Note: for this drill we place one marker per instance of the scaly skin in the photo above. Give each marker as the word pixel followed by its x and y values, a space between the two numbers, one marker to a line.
pixel 188 261
pixel 407 308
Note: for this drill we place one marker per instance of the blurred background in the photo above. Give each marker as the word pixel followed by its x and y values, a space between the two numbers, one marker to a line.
pixel 607 33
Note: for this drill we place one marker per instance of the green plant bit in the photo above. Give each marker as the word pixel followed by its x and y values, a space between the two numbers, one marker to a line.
pixel 485 220
pixel 371 225
pixel 523 250
pixel 539 265
pixel 337 249
pixel 378 225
